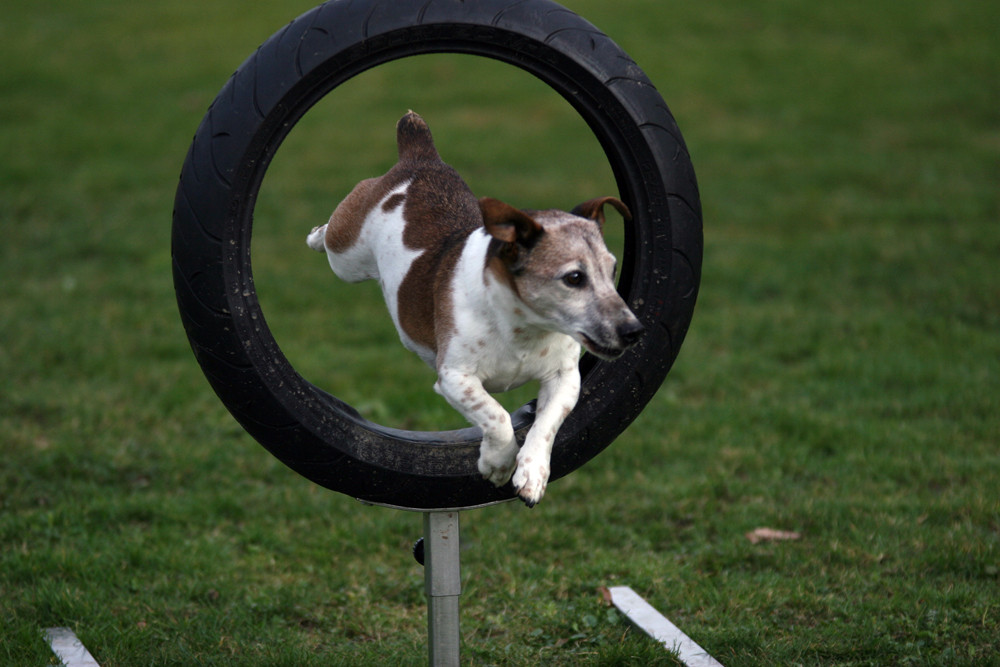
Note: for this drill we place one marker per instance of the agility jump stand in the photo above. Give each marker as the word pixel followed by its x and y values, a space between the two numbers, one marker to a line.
pixel 323 438
pixel 439 552
pixel 443 585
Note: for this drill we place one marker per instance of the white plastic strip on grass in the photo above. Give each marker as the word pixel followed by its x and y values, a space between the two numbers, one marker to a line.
pixel 654 624
pixel 69 649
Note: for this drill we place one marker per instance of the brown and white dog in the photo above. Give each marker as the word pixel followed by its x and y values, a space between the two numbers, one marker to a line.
pixel 489 296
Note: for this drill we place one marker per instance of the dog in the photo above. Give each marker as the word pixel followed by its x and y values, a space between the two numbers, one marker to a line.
pixel 489 296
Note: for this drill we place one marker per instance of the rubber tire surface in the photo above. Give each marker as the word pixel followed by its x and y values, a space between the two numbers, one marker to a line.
pixel 318 435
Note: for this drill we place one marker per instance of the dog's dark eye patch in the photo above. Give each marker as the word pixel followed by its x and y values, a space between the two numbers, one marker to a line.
pixel 575 279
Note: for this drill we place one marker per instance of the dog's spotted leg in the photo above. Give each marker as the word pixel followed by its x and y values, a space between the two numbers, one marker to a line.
pixel 556 397
pixel 465 393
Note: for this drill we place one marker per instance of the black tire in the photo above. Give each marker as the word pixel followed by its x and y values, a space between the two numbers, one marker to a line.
pixel 314 433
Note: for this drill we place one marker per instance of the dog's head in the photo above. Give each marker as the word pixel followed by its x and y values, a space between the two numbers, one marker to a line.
pixel 558 265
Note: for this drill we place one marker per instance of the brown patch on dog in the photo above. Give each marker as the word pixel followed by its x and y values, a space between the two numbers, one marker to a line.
pixel 344 227
pixel 392 202
pixel 496 268
pixel 440 212
pixel 514 234
pixel 415 143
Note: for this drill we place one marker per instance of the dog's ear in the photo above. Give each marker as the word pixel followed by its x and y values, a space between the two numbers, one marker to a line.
pixel 509 225
pixel 594 209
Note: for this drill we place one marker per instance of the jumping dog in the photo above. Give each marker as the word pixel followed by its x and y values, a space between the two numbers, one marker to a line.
pixel 489 296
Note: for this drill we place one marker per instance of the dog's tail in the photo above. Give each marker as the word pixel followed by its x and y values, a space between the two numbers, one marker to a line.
pixel 414 139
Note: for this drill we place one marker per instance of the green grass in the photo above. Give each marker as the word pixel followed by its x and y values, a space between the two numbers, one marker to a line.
pixel 841 377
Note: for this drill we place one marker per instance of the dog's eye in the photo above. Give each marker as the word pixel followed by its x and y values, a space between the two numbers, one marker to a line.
pixel 575 279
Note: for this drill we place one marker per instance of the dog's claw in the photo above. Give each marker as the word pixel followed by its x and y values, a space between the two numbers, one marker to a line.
pixel 527 498
pixel 530 487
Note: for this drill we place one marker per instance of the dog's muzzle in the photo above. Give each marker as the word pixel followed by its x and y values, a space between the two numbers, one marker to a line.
pixel 626 334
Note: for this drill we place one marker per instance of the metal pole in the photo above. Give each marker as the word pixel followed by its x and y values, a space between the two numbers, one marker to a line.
pixel 443 585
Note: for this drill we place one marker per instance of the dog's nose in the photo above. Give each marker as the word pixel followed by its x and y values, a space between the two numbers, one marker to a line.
pixel 630 331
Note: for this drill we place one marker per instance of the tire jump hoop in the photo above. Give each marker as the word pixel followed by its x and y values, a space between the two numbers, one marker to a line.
pixel 323 438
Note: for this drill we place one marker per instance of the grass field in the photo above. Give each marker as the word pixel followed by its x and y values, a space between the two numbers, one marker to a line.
pixel 841 378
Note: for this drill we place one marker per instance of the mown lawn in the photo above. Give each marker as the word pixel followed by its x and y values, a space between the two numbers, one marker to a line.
pixel 840 379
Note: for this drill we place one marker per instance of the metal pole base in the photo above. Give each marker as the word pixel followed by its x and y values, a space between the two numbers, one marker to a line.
pixel 443 585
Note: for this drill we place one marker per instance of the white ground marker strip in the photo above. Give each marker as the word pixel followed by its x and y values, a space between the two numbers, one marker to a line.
pixel 654 624
pixel 69 649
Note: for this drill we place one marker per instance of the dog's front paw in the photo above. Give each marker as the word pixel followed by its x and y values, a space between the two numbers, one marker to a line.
pixel 497 462
pixel 530 480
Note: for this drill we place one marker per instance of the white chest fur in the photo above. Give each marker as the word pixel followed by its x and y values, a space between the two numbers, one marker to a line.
pixel 498 339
